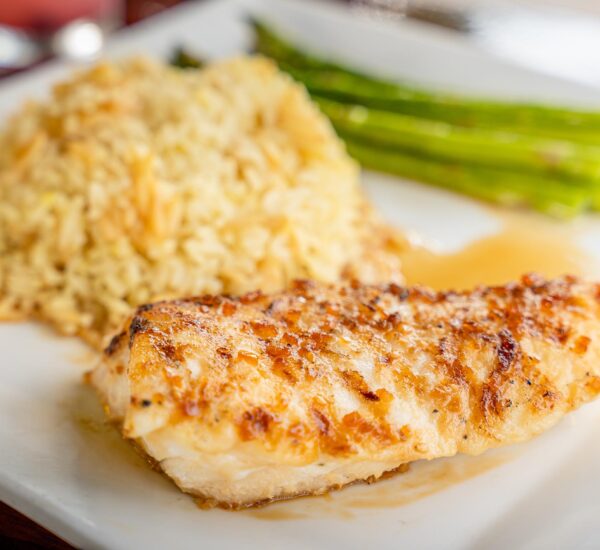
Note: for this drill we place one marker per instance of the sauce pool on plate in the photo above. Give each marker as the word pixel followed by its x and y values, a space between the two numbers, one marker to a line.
pixel 526 243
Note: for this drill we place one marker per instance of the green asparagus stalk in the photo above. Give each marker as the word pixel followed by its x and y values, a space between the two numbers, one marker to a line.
pixel 444 141
pixel 184 60
pixel 549 196
pixel 272 45
pixel 335 81
pixel 554 123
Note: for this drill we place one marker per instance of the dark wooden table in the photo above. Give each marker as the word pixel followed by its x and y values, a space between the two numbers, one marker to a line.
pixel 18 532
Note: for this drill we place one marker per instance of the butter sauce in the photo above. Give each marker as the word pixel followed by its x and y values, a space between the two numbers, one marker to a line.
pixel 525 243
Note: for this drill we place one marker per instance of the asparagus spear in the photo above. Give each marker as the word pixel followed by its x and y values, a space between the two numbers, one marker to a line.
pixel 549 196
pixel 184 60
pixel 338 82
pixel 272 45
pixel 551 122
pixel 470 145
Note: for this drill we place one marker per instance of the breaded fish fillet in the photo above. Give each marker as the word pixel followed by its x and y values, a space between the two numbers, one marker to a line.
pixel 245 400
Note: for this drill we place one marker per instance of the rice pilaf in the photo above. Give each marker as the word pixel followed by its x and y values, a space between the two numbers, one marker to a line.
pixel 136 181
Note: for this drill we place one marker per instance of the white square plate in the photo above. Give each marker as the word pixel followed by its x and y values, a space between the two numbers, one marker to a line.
pixel 61 466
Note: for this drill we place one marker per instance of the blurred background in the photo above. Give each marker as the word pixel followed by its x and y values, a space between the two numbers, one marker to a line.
pixel 558 37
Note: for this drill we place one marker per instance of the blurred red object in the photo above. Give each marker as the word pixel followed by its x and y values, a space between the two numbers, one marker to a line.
pixel 45 15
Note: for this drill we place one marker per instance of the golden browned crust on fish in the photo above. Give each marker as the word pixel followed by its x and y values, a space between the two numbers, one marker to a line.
pixel 355 380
